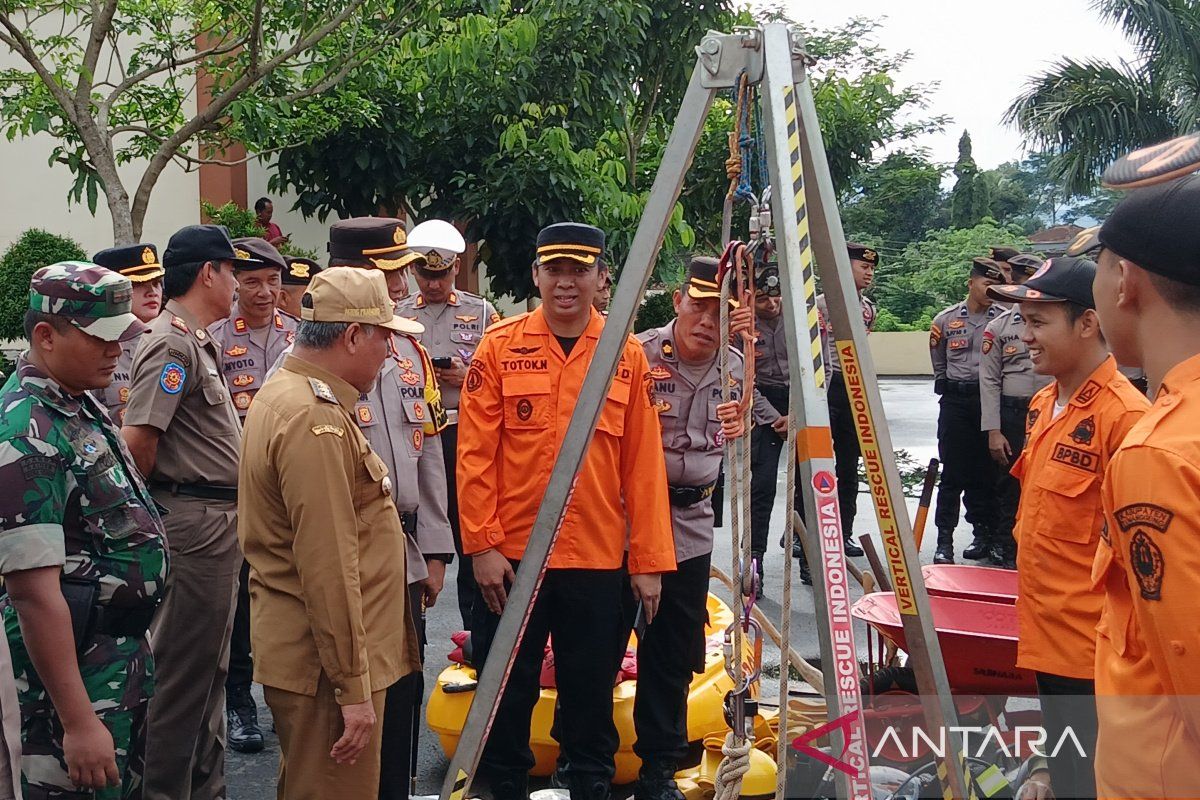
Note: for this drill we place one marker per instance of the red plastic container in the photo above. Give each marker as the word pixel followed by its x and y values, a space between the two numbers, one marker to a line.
pixel 967 582
pixel 979 641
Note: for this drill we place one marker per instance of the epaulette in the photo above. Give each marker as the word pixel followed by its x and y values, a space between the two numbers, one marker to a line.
pixel 647 336
pixel 322 391
pixel 507 321
pixel 179 324
pixel 1128 394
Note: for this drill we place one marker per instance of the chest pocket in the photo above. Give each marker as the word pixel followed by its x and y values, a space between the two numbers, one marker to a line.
pixel 108 492
pixel 526 401
pixel 372 482
pixel 612 418
pixel 1064 507
pixel 214 390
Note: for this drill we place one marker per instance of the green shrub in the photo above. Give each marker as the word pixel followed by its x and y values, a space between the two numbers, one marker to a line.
pixel 33 250
pixel 240 221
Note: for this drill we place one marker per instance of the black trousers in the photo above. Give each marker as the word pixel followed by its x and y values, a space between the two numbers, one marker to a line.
pixel 1070 702
pixel 846 450
pixel 582 612
pixel 765 447
pixel 669 652
pixel 1013 411
pixel 465 581
pixel 241 661
pixel 401 709
pixel 967 467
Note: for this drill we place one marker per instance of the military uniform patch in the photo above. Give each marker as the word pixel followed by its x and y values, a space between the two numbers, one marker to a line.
pixel 935 336
pixel 418 438
pixel 524 409
pixel 240 326
pixel 987 343
pixel 1031 418
pixel 180 356
pixel 660 373
pixel 123 394
pixel 1089 390
pixel 236 350
pixel 524 351
pixel 180 324
pixel 364 414
pixel 1146 557
pixel 241 400
pixel 410 377
pixel 1084 431
pixel 474 376
pixel 335 430
pixel 1010 350
pixel 1147 514
pixel 172 378
pixel 466 317
pixel 243 380
pixel 321 390
pixel 956 324
pixel 419 410
pixel 35 466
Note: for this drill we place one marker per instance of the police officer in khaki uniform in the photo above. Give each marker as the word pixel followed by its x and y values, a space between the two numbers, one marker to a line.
pixel 184 433
pixel 1003 256
pixel 687 395
pixel 1007 383
pixel 251 338
pixel 955 346
pixel 454 323
pixel 294 283
pixel 139 263
pixel 402 419
pixel 323 537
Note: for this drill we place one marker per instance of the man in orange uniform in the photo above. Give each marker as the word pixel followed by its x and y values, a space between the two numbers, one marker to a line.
pixel 1148 296
pixel 1074 425
pixel 517 401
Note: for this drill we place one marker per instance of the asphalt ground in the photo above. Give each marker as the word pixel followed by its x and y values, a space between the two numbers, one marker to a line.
pixel 911 409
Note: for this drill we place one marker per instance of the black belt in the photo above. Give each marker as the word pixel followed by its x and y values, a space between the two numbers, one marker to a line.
pixel 208 491
pixel 1018 403
pixel 772 391
pixel 684 496
pixel 408 521
pixel 134 622
pixel 961 388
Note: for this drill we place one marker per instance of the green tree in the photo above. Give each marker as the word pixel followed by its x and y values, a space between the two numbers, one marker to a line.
pixel 32 250
pixel 932 273
pixel 895 202
pixel 1088 113
pixel 969 198
pixel 150 83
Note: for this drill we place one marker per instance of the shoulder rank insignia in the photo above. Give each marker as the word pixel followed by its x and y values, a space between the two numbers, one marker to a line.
pixel 453 299
pixel 278 321
pixel 419 302
pixel 236 350
pixel 334 429
pixel 668 349
pixel 180 324
pixel 466 317
pixel 240 325
pixel 321 389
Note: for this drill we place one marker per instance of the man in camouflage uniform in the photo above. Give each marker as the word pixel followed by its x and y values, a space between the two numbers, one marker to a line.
pixel 82 548
pixel 140 264
pixel 454 323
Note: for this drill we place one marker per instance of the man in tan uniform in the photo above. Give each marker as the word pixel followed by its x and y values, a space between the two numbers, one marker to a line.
pixel 251 338
pixel 402 419
pixel 325 546
pixel 183 431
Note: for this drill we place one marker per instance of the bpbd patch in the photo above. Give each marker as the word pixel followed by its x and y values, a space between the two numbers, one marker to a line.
pixel 172 378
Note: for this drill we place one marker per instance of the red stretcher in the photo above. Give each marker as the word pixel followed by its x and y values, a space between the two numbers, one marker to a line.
pixel 978 640
pixel 968 582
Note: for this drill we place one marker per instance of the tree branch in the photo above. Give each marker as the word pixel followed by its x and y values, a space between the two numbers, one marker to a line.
pixel 202 161
pixel 167 64
pixel 22 46
pixel 101 25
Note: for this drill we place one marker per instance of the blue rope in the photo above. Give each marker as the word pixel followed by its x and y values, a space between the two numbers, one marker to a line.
pixel 746 144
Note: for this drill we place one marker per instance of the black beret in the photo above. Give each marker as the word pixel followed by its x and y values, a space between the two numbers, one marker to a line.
pixel 574 240
pixel 1158 228
pixel 987 268
pixel 1025 262
pixel 261 249
pixel 1085 242
pixel 381 241
pixel 1058 280
pixel 138 262
pixel 299 271
pixel 860 252
pixel 196 244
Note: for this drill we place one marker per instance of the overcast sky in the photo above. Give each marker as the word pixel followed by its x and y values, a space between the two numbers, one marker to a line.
pixel 981 54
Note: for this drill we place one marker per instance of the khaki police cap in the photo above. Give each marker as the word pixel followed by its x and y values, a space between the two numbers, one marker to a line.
pixel 349 294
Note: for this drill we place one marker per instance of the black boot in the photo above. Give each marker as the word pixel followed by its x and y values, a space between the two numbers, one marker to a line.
pixel 980 546
pixel 514 786
pixel 1003 555
pixel 242 715
pixel 797 547
pixel 656 781
pixel 851 549
pixel 805 574
pixel 945 548
pixel 757 558
pixel 588 787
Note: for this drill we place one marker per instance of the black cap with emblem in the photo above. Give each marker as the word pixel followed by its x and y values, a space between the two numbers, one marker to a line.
pixel 299 271
pixel 573 240
pixel 371 241
pixel 138 262
pixel 861 252
pixel 1004 254
pixel 1086 242
pixel 196 244
pixel 1158 228
pixel 1056 281
pixel 986 268
pixel 261 249
pixel 1025 263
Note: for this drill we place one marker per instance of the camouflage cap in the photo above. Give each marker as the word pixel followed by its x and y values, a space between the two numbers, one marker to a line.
pixel 96 300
